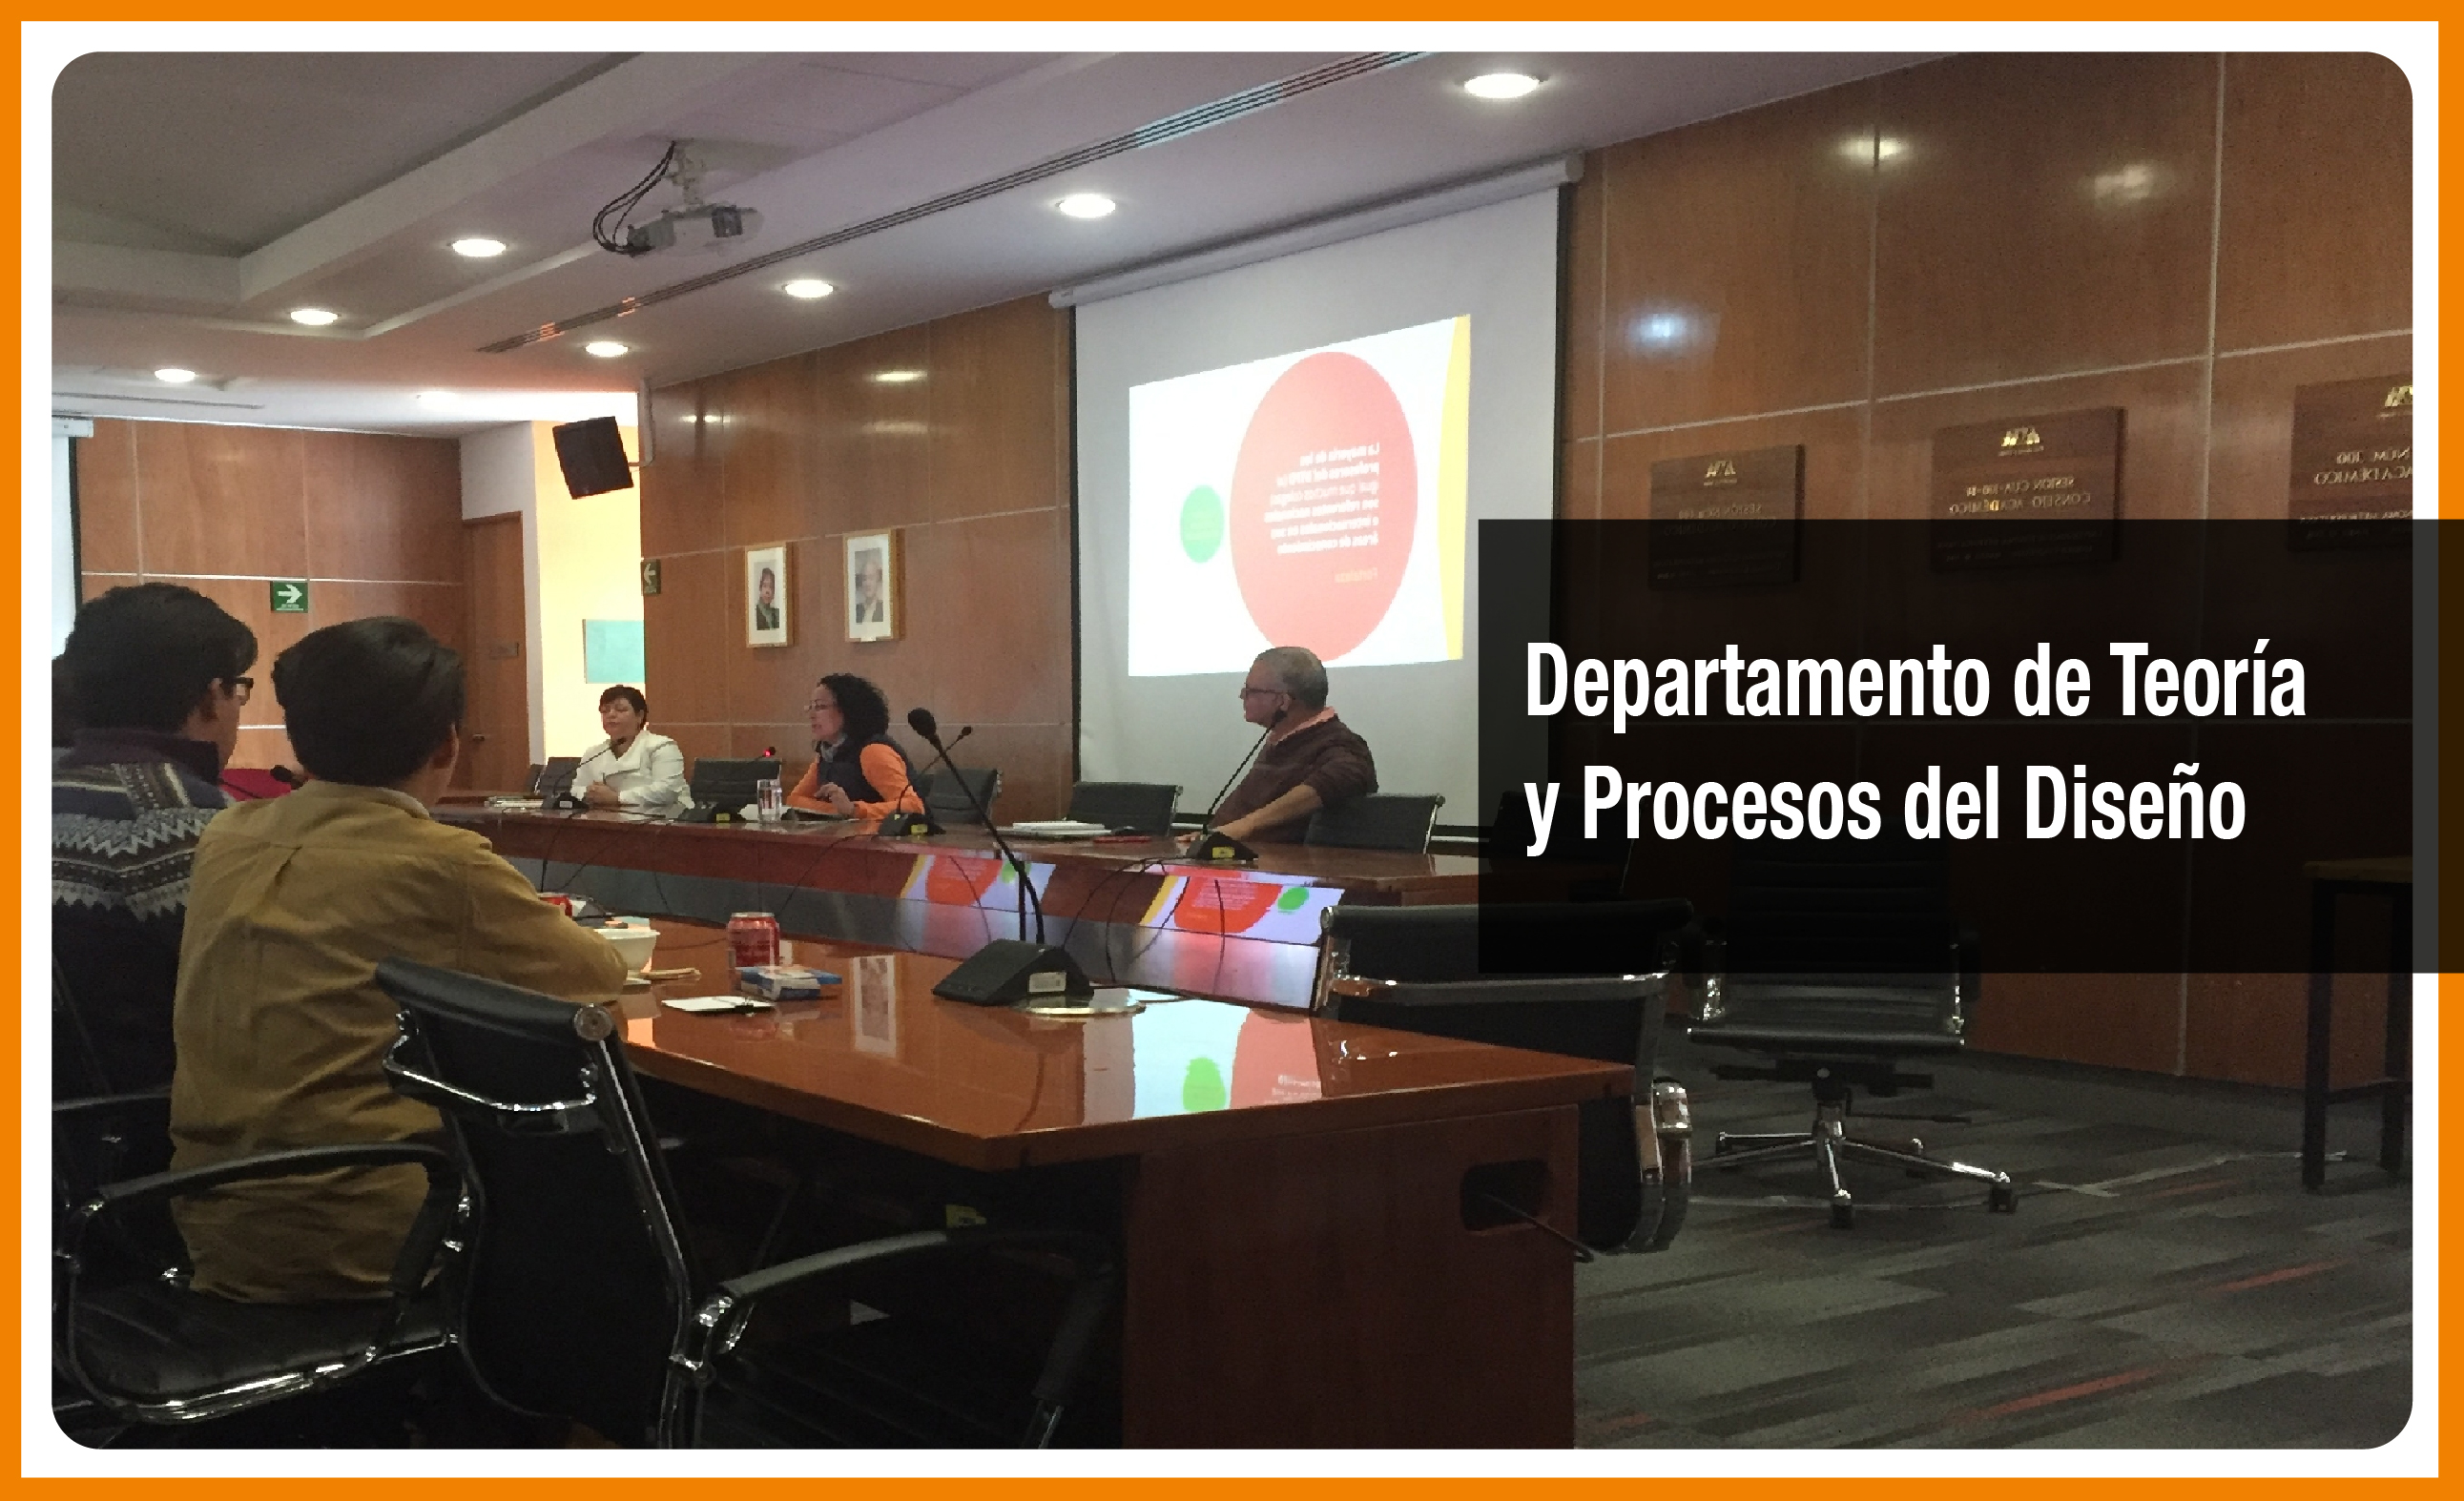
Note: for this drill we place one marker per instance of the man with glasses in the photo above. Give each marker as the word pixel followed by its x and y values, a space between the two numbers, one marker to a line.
pixel 1311 759
pixel 155 674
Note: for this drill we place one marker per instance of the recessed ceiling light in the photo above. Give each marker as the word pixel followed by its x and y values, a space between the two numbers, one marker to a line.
pixel 315 318
pixel 808 287
pixel 897 377
pixel 606 348
pixel 1501 85
pixel 478 246
pixel 175 375
pixel 438 398
pixel 1085 206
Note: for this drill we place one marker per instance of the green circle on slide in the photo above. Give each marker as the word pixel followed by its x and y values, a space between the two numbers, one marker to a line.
pixel 1202 1088
pixel 1294 899
pixel 1201 524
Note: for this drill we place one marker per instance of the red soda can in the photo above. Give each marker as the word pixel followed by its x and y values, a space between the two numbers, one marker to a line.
pixel 755 937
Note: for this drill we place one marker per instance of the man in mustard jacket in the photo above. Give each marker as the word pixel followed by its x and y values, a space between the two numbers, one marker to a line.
pixel 279 1025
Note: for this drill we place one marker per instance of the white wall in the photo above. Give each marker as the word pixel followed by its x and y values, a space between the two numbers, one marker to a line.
pixel 580 560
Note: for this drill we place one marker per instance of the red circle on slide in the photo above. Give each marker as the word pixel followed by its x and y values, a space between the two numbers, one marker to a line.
pixel 1301 591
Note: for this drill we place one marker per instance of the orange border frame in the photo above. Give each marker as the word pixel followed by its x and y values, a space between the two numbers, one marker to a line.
pixel 2451 596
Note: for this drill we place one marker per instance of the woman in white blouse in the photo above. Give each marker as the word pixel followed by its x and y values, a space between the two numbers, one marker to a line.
pixel 632 769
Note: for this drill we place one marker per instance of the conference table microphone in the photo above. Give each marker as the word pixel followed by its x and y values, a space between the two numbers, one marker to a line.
pixel 1005 970
pixel 1212 844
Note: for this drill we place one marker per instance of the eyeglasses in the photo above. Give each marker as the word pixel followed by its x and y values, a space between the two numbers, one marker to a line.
pixel 815 709
pixel 241 688
pixel 1267 692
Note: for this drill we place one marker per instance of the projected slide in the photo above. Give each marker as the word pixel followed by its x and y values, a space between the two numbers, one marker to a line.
pixel 1314 499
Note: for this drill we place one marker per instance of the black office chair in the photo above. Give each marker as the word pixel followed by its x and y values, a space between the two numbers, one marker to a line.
pixel 131 1336
pixel 1377 822
pixel 1559 977
pixel 946 802
pixel 1841 957
pixel 584 1301
pixel 1125 806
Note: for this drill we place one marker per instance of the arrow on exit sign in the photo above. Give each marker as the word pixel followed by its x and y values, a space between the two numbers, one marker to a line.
pixel 289 595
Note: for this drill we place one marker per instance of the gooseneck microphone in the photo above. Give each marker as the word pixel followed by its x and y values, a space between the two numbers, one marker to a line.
pixel 1004 970
pixel 1225 790
pixel 286 777
pixel 1211 843
pixel 922 721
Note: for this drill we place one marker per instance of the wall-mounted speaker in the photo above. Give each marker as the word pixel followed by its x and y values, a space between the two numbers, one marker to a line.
pixel 592 455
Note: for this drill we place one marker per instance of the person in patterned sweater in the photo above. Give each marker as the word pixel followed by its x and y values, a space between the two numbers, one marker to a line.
pixel 157 674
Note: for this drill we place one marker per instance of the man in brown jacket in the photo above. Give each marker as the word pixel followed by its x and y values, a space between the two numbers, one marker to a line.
pixel 278 1024
pixel 1313 760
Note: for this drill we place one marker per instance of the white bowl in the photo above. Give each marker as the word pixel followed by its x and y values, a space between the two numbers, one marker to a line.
pixel 633 944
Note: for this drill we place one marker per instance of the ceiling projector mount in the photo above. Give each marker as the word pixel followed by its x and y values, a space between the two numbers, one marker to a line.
pixel 693 224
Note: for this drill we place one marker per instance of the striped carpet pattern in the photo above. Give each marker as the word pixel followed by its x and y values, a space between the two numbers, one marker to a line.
pixel 2165 1282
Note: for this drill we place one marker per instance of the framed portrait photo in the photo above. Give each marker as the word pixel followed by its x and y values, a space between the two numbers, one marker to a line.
pixel 767 598
pixel 873 602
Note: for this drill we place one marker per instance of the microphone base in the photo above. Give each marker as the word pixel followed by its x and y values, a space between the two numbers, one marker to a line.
pixel 1215 847
pixel 1008 971
pixel 908 826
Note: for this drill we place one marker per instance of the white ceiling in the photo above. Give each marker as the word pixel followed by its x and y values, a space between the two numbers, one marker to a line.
pixel 198 197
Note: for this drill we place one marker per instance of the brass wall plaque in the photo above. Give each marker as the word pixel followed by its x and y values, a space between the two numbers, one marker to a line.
pixel 2059 474
pixel 2352 462
pixel 1726 520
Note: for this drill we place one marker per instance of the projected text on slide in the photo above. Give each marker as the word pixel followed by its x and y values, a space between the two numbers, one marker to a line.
pixel 1314 499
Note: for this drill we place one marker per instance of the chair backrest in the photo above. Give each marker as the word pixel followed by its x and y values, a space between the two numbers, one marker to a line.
pixel 1131 807
pixel 555 778
pixel 1377 822
pixel 730 782
pixel 578 1284
pixel 948 802
pixel 1829 906
pixel 77 1069
pixel 1836 945
pixel 1496 940
pixel 1611 1019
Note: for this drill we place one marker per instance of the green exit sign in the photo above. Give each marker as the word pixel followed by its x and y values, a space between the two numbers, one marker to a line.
pixel 289 595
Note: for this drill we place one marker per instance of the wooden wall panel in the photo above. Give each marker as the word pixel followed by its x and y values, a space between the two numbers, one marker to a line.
pixel 1579 480
pixel 107 499
pixel 1581 315
pixel 2250 431
pixel 381 507
pixel 2164 436
pixel 2042 214
pixel 2128 1021
pixel 1737 263
pixel 765 478
pixel 1000 389
pixel 686 457
pixel 221 500
pixel 1834 452
pixel 374 522
pixel 871 433
pixel 2025 235
pixel 2317 206
pixel 970 463
pixel 689 638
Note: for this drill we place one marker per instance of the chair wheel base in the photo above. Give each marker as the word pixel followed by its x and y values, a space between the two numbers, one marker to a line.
pixel 1843 1216
pixel 2002 1199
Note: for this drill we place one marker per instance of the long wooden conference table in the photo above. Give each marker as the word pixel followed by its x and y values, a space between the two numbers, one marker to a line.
pixel 1311 1255
pixel 1130 913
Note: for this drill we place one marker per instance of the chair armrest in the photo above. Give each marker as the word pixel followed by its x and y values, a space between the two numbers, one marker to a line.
pixel 149 1105
pixel 718 1324
pixel 288 1163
